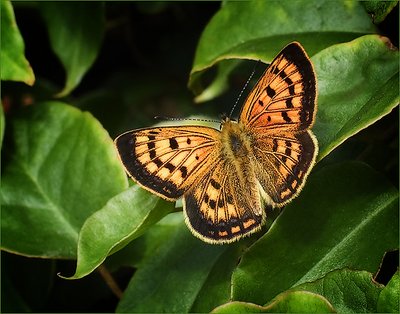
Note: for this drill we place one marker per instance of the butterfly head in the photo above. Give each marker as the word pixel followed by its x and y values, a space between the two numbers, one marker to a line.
pixel 225 120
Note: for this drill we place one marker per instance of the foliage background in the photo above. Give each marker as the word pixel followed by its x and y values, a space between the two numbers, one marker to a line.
pixel 75 75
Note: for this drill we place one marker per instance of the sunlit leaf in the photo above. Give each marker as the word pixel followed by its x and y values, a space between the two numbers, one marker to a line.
pixel 259 29
pixel 348 291
pixel 124 218
pixel 357 85
pixel 286 302
pixel 14 66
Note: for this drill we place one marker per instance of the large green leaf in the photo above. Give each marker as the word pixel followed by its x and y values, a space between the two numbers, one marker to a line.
pixel 348 291
pixel 122 219
pixel 14 66
pixel 342 291
pixel 286 302
pixel 347 216
pixel 389 299
pixel 76 33
pixel 63 167
pixel 357 85
pixel 170 278
pixel 379 9
pixel 216 289
pixel 259 29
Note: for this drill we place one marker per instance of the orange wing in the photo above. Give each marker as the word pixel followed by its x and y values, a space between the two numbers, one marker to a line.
pixel 166 160
pixel 278 113
pixel 285 95
pixel 219 209
pixel 283 162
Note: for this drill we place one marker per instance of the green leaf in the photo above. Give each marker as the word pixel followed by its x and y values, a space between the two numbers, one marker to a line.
pixel 260 29
pixel 348 291
pixel 379 9
pixel 286 302
pixel 336 222
pixel 124 218
pixel 389 299
pixel 220 82
pixel 76 33
pixel 63 168
pixel 170 278
pixel 217 288
pixel 357 85
pixel 14 66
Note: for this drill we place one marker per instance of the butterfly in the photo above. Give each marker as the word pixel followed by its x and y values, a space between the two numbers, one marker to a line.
pixel 228 177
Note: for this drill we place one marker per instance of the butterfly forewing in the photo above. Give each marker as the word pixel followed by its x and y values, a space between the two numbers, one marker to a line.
pixel 166 160
pixel 285 95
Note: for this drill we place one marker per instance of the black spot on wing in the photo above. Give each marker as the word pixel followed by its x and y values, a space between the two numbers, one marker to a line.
pixel 151 146
pixel 173 143
pixel 183 170
pixel 170 166
pixel 215 184
pixel 270 91
pixel 212 204
pixel 289 103
pixel 286 117
pixel 158 162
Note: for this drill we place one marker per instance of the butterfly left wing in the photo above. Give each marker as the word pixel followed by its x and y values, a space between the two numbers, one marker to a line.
pixel 221 209
pixel 285 95
pixel 166 160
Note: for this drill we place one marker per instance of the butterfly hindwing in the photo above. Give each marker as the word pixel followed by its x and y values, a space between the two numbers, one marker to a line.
pixel 283 161
pixel 216 212
pixel 285 95
pixel 166 160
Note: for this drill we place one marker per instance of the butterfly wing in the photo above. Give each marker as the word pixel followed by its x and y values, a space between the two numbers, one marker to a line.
pixel 285 95
pixel 219 209
pixel 166 160
pixel 283 161
pixel 278 113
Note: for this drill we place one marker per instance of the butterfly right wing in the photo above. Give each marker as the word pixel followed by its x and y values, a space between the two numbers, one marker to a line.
pixel 220 209
pixel 167 160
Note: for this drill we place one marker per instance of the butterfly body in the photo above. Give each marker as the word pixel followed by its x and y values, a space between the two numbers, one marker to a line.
pixel 228 177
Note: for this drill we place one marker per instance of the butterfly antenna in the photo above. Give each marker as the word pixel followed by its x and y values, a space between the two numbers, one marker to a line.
pixel 185 119
pixel 244 87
